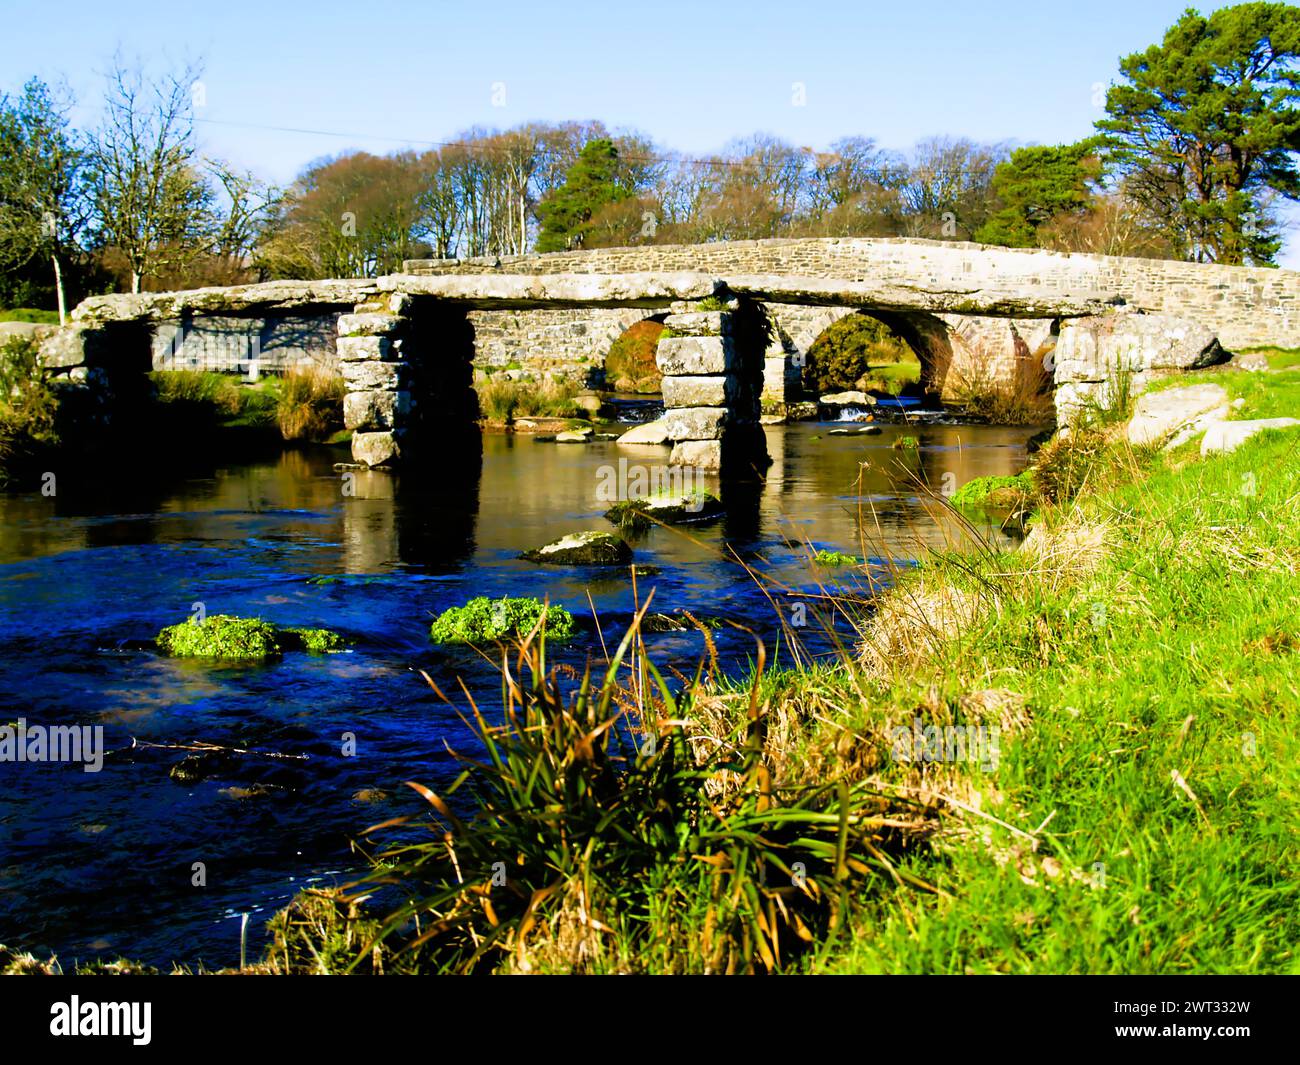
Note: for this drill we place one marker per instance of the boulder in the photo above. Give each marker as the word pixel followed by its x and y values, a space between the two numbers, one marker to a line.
pixel 649 433
pixel 1251 362
pixel 672 509
pixel 701 454
pixel 590 402
pixel 583 549
pixel 1228 436
pixel 574 436
pixel 847 399
pixel 1176 414
pixel 1096 348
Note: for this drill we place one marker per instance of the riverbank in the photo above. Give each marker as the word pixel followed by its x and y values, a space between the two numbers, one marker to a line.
pixel 1077 757
pixel 1072 817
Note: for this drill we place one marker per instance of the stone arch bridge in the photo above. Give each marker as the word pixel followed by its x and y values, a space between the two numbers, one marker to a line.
pixel 740 315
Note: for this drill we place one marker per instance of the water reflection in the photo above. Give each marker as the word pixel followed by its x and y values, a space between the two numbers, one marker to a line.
pixel 285 536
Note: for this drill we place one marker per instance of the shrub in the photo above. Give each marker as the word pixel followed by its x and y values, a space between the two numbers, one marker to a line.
pixel 28 408
pixel 630 365
pixel 848 350
pixel 635 837
pixel 483 620
pixel 1025 399
pixel 310 403
pixel 1068 461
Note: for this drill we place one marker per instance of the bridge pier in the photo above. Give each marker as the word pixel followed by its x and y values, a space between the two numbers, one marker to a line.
pixel 712 364
pixel 407 364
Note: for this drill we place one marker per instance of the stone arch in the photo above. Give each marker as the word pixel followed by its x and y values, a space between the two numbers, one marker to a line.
pixel 633 339
pixel 926 334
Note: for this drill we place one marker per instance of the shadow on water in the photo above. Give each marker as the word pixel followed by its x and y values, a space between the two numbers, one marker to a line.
pixel 105 863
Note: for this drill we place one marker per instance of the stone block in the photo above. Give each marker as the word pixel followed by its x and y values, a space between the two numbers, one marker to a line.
pixel 694 423
pixel 370 325
pixel 375 410
pixel 376 449
pixel 700 323
pixel 701 454
pixel 718 391
pixel 677 356
pixel 362 348
pixel 373 376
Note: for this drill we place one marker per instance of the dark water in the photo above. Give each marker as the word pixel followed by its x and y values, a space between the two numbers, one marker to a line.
pixel 102 863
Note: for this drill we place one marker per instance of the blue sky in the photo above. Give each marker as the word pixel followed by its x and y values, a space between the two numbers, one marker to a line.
pixel 692 75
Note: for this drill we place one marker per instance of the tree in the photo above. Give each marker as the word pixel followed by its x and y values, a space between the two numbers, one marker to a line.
pixel 1037 185
pixel 152 203
pixel 589 184
pixel 948 190
pixel 1205 129
pixel 41 184
pixel 357 215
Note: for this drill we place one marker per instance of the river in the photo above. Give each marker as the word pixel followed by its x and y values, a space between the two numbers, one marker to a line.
pixel 105 863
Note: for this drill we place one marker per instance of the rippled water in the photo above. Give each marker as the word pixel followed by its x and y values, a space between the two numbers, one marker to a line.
pixel 102 863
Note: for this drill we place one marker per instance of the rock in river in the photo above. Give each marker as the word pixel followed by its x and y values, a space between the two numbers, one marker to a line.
pixel 583 549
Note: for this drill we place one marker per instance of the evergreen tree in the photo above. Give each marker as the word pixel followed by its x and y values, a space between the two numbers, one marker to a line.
pixel 592 182
pixel 1205 129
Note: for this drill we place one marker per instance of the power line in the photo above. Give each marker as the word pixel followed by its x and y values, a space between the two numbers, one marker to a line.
pixel 473 146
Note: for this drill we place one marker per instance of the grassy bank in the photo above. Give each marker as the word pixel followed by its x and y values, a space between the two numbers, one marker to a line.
pixel 1077 757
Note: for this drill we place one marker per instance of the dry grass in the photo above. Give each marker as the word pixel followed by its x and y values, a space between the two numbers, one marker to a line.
pixel 310 403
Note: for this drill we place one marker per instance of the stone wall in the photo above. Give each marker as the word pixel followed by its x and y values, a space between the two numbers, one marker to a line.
pixel 226 344
pixel 566 342
pixel 1243 305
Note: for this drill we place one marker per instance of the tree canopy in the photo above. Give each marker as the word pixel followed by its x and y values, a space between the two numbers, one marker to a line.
pixel 1205 129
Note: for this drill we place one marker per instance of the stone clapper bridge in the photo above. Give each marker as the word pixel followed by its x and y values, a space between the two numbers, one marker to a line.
pixel 406 343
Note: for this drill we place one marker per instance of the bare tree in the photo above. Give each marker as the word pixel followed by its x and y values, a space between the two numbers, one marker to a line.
pixel 151 201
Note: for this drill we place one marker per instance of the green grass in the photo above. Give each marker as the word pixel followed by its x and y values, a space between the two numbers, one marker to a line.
pixel 998 492
pixel 29 314
pixel 1267 395
pixel 1177 654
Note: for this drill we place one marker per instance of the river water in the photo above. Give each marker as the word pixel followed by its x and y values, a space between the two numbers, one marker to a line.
pixel 102 864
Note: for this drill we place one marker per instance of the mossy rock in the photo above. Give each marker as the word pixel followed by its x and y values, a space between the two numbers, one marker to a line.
pixel 226 636
pixel 639 514
pixel 484 620
pixel 834 559
pixel 995 493
pixel 583 549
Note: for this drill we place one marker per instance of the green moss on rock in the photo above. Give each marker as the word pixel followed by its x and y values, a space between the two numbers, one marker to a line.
pixel 637 514
pixel 997 493
pixel 483 620
pixel 226 636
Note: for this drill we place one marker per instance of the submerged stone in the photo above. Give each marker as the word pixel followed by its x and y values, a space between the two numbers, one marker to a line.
pixel 583 549
pixel 669 509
